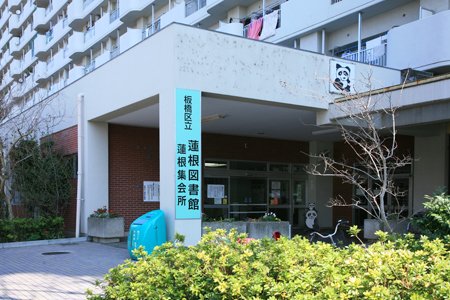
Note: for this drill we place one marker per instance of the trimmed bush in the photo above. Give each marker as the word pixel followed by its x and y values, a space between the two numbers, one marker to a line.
pixel 219 267
pixel 19 229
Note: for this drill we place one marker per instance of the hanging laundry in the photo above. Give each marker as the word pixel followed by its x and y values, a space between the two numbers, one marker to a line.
pixel 254 28
pixel 270 25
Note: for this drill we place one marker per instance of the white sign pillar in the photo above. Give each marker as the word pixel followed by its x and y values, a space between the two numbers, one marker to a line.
pixel 189 227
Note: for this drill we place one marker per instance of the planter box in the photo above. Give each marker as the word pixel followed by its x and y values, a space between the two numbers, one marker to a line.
pixel 241 227
pixel 106 230
pixel 256 230
pixel 371 226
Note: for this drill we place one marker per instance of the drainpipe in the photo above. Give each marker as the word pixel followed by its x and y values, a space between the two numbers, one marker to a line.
pixel 80 99
pixel 359 36
pixel 323 41
pixel 153 18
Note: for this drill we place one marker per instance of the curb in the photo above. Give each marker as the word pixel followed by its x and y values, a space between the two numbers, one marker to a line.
pixel 43 243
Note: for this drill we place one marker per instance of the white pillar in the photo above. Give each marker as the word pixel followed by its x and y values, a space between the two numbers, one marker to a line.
pixel 95 166
pixel 359 35
pixel 323 41
pixel 167 146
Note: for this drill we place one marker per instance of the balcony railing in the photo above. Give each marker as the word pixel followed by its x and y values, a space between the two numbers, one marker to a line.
pixel 89 34
pixel 48 9
pixel 194 5
pixel 86 3
pixel 65 22
pixel 66 53
pixel 50 64
pixel 115 52
pixel 114 16
pixel 149 31
pixel 370 56
pixel 49 36
pixel 89 68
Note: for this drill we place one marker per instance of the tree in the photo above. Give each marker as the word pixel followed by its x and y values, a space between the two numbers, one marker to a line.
pixel 367 122
pixel 20 119
pixel 43 179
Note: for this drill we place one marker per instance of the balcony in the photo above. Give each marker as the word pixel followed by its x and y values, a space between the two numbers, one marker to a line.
pixel 79 10
pixel 6 37
pixel 42 16
pixel 422 45
pixel 149 31
pixel 89 34
pixel 193 6
pixel 89 68
pixel 6 58
pixel 50 64
pixel 114 53
pixel 16 21
pixel 75 73
pixel 17 44
pixel 4 18
pixel 131 10
pixel 43 43
pixel 114 16
pixel 374 56
pixel 14 5
pixel 130 38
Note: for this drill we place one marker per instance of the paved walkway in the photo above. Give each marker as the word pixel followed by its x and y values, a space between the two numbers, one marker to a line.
pixel 25 273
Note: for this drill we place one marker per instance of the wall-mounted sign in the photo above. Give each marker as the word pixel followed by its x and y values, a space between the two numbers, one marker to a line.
pixel 342 77
pixel 151 191
pixel 188 154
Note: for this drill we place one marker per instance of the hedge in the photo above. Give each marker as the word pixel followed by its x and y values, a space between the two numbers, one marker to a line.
pixel 20 229
pixel 219 267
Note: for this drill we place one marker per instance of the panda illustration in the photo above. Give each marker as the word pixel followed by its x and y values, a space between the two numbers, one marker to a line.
pixel 342 81
pixel 311 221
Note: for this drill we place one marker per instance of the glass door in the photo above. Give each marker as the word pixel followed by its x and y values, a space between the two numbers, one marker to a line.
pixel 279 198
pixel 248 198
pixel 215 195
pixel 298 203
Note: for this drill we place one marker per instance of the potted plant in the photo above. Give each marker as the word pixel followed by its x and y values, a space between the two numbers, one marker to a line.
pixel 105 226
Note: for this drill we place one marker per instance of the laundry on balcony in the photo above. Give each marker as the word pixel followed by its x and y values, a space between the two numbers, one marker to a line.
pixel 254 28
pixel 269 25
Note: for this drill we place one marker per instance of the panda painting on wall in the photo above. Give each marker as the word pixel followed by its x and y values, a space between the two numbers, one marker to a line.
pixel 341 77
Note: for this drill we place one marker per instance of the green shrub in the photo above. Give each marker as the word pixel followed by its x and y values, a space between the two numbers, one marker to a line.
pixel 19 229
pixel 436 221
pixel 220 268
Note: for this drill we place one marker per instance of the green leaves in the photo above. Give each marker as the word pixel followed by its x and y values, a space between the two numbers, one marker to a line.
pixel 219 267
pixel 19 229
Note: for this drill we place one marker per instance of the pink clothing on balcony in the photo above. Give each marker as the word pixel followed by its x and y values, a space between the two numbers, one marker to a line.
pixel 254 28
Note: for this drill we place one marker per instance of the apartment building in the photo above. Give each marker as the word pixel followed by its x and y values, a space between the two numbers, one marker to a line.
pixel 127 58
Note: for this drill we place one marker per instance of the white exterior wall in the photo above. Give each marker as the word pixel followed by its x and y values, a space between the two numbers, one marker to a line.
pixel 431 168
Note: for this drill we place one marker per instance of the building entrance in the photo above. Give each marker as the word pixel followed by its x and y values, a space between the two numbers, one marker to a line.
pixel 243 190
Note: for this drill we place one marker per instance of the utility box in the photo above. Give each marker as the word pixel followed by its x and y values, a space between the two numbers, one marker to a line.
pixel 148 230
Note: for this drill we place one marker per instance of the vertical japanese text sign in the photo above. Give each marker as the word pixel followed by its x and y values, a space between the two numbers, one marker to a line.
pixel 188 161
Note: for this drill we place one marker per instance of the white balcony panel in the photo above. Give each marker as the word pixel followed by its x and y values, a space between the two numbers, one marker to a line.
pixel 29 60
pixel 14 5
pixel 421 45
pixel 5 38
pixel 40 45
pixel 102 59
pixel 76 43
pixel 177 14
pixel 75 73
pixel 6 58
pixel 132 10
pixel 4 18
pixel 102 28
pixel 231 28
pixel 39 17
pixel 42 16
pixel 40 72
pixel 16 21
pixel 130 38
pixel 7 79
pixel 77 11
pixel 16 69
pixel 59 62
pixel 2 2
pixel 17 44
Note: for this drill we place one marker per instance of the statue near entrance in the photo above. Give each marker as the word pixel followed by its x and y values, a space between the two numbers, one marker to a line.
pixel 311 221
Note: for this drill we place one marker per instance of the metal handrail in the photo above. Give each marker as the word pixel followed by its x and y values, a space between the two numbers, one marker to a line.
pixel 193 6
pixel 89 34
pixel 115 52
pixel 114 16
pixel 367 56
pixel 86 3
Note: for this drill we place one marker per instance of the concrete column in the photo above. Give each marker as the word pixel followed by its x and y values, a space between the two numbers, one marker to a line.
pixel 431 168
pixel 167 146
pixel 320 188
pixel 95 169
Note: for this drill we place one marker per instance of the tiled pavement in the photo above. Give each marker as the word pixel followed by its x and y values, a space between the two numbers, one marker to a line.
pixel 25 273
